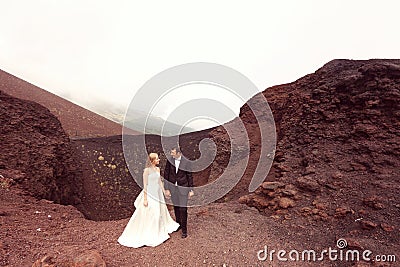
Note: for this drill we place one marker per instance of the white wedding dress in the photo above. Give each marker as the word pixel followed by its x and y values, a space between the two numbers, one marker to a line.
pixel 151 225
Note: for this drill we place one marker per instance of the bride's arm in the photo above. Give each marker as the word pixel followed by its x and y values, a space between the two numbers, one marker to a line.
pixel 145 179
pixel 161 183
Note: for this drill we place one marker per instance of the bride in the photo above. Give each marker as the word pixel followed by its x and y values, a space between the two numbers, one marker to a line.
pixel 151 223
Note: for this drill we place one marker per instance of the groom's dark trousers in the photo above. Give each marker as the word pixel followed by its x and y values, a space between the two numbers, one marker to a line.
pixel 179 183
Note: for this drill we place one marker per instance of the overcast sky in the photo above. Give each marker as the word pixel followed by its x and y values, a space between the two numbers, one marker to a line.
pixel 98 53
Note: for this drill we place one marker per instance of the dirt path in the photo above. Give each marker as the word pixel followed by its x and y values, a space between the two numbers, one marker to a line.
pixel 220 234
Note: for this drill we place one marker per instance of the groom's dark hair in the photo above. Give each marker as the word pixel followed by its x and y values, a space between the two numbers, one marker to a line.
pixel 176 148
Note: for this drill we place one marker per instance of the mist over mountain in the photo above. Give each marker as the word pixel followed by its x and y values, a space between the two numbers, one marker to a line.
pixel 140 121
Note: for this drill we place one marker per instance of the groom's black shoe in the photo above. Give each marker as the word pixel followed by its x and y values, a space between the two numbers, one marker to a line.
pixel 184 235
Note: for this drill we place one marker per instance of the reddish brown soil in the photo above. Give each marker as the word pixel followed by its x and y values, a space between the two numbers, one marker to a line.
pixel 221 233
pixel 36 152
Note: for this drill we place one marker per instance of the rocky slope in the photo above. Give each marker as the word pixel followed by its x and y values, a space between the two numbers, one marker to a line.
pixel 338 149
pixel 36 153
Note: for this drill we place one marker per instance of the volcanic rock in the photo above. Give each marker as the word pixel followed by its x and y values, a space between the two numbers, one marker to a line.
pixel 37 150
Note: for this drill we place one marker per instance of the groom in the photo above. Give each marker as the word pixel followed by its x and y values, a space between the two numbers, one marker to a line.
pixel 179 186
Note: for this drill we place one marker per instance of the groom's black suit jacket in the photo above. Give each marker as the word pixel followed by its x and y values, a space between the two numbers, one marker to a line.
pixel 183 177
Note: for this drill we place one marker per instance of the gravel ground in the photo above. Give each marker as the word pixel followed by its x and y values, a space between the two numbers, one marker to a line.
pixel 220 234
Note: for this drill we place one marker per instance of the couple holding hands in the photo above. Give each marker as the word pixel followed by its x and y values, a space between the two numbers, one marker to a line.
pixel 151 223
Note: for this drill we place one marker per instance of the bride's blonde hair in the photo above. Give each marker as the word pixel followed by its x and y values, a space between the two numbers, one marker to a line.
pixel 150 159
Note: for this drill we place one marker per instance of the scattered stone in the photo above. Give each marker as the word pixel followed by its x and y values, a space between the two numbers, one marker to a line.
pixel 276 217
pixel 353 244
pixel 287 217
pixel 271 194
pixel 315 211
pixel 319 205
pixel 337 175
pixel 343 211
pixel 309 170
pixel 358 166
pixel 386 227
pixel 280 212
pixel 272 185
pixel 374 202
pixel 260 202
pixel 368 225
pixel 90 258
pixel 324 216
pixel 46 261
pixel 305 209
pixel 297 197
pixel 100 158
pixel 289 193
pixel 244 199
pixel 259 191
pixel 308 184
pixel 285 203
